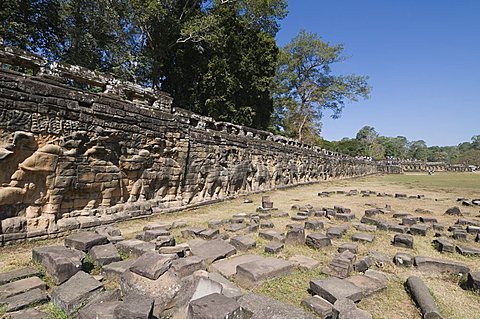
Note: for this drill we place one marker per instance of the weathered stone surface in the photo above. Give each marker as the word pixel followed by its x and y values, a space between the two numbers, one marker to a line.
pixel 336 232
pixel 253 273
pixel 104 310
pixel 186 266
pixel 319 306
pixel 313 225
pixel 403 259
pixel 28 313
pixel 209 234
pixel 453 211
pixel 352 247
pixel 152 234
pixel 427 264
pixel 334 288
pixel 181 250
pixel 405 241
pixel 29 298
pixel 60 262
pixel 17 274
pixel 228 267
pixel 21 286
pixel 243 243
pixel 398 228
pixel 317 241
pixel 105 254
pixel 85 240
pixel 304 262
pixel 364 227
pixel 152 265
pixel 422 298
pixel 443 244
pixel 341 266
pixel 468 251
pixel 76 292
pixel 345 309
pixel 363 264
pixel 213 250
pixel 163 290
pixel 295 236
pixel 420 230
pixel 116 269
pixel 216 306
pixel 263 307
pixel 135 247
pixel 271 235
pixel 460 234
pixel 274 247
pixel 367 284
pixel 362 237
pixel 134 306
pixel 473 280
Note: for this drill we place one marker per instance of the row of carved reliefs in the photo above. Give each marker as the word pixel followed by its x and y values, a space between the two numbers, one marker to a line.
pixel 74 159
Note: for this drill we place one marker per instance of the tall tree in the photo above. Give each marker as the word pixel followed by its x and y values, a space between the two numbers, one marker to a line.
pixel 305 85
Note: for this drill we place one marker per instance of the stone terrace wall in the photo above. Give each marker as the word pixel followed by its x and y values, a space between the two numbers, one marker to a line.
pixel 72 159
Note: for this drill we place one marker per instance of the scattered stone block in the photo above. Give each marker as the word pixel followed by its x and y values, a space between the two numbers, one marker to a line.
pixel 105 254
pixel 460 234
pixel 253 273
pixel 429 220
pixel 266 224
pixel 336 232
pixel 85 240
pixel 216 306
pixel 444 245
pixel 317 241
pixel 271 235
pixel 191 232
pixel 352 247
pixel 164 226
pixel 409 220
pixel 116 269
pixel 363 264
pixel 243 243
pixel 346 217
pixel 380 259
pixel 313 225
pixel 274 247
pixel 135 247
pixel 299 218
pixel 468 251
pixel 405 241
pixel 364 227
pixel 17 274
pixel 103 310
pixel 346 308
pixel 398 229
pixel 420 230
pixel 428 264
pixel 473 281
pixel 152 265
pixel 76 292
pixel 453 211
pixel 319 306
pixel 367 284
pixel 341 266
pixel 295 236
pixel 213 250
pixel 163 290
pixel 403 259
pixel 263 307
pixel 233 228
pixel 134 306
pixel 334 288
pixel 186 266
pixel 26 299
pixel 228 267
pixel 60 262
pixel 181 250
pixel 473 229
pixel 209 234
pixel 28 313
pixel 304 262
pixel 362 237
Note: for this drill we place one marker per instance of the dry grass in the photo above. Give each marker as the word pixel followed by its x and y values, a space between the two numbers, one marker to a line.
pixel 440 190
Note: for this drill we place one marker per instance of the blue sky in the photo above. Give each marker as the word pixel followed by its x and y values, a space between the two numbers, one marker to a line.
pixel 422 57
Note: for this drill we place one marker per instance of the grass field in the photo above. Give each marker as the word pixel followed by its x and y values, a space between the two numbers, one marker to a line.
pixel 440 190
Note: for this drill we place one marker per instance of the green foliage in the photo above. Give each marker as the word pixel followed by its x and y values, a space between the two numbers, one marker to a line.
pixel 305 86
pixel 54 312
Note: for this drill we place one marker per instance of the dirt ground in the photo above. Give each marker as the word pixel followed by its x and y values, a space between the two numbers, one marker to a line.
pixel 441 192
